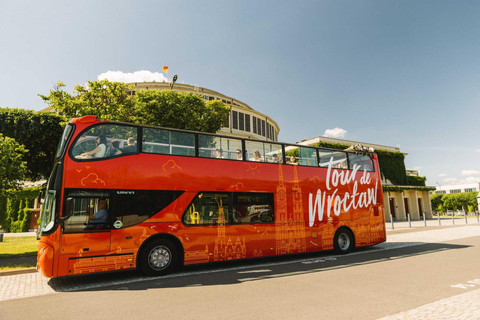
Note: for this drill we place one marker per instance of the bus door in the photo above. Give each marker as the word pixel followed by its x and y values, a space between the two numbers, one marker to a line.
pixel 86 231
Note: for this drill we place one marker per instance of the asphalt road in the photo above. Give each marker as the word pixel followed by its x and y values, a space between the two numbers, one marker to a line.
pixel 369 284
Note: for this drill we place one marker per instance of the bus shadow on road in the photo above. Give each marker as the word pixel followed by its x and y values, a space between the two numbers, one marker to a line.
pixel 258 269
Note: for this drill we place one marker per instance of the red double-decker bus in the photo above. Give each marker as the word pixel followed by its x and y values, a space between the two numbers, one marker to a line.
pixel 126 196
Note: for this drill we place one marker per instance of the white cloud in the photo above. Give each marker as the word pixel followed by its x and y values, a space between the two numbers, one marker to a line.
pixel 466 180
pixel 335 133
pixel 417 168
pixel 470 173
pixel 478 150
pixel 471 180
pixel 442 175
pixel 137 76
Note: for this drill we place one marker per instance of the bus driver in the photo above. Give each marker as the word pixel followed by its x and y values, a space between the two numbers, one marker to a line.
pixel 100 217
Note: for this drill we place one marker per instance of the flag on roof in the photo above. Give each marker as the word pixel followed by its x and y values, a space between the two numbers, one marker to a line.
pixel 165 69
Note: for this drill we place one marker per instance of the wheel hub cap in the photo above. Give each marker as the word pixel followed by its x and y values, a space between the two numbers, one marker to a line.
pixel 343 241
pixel 159 258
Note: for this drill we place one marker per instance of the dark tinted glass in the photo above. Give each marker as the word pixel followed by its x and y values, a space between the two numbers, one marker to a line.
pixel 213 208
pixel 134 206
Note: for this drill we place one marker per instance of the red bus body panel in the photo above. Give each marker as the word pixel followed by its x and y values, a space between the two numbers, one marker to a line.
pixel 297 226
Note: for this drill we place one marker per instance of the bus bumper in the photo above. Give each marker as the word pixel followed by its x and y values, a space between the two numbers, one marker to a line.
pixel 45 259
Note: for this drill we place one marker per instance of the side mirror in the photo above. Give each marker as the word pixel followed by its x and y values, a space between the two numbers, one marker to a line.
pixel 68 213
pixel 41 196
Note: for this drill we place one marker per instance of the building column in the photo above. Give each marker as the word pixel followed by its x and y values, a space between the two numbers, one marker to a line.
pixel 428 204
pixel 415 208
pixel 386 202
pixel 401 206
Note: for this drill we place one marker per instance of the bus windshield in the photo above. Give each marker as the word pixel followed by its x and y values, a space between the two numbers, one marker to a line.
pixel 48 212
pixel 63 141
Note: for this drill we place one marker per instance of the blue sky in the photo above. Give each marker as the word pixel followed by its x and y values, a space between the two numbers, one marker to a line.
pixel 396 73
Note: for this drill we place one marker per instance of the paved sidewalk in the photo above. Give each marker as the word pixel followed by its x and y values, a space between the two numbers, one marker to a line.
pixel 20 234
pixel 23 285
pixel 461 307
pixel 419 225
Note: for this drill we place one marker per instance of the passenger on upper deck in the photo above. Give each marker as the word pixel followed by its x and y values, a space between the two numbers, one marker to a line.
pixel 256 156
pixel 238 153
pixel 99 151
pixel 293 160
pixel 114 148
pixel 219 153
pixel 130 148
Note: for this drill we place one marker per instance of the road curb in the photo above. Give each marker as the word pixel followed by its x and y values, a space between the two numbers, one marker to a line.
pixel 15 272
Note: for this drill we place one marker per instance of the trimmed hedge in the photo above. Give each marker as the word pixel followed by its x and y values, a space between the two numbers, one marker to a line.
pixel 15 211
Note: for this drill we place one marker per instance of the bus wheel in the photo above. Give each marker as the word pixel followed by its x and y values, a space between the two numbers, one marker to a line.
pixel 159 258
pixel 343 242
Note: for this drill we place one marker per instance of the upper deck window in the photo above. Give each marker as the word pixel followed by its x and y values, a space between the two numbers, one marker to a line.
pixel 258 151
pixel 303 156
pixel 337 159
pixel 361 160
pixel 219 147
pixel 105 141
pixel 168 142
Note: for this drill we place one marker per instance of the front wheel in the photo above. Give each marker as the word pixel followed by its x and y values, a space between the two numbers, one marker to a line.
pixel 158 258
pixel 343 241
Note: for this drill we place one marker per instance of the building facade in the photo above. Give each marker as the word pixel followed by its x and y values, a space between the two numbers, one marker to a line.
pixel 457 188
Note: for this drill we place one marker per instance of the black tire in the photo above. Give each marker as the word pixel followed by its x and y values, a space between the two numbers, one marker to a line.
pixel 158 258
pixel 343 242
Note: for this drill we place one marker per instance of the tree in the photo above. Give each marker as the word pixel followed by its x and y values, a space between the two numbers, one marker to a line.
pixel 39 132
pixel 13 168
pixel 437 202
pixel 102 98
pixel 179 110
pixel 456 201
pixel 472 201
pixel 115 101
pixel 451 201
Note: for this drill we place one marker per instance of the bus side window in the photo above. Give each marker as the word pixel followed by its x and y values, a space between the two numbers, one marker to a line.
pixel 219 147
pixel 208 208
pixel 254 208
pixel 211 208
pixel 337 159
pixel 105 141
pixel 168 142
pixel 135 206
pixel 360 160
pixel 87 212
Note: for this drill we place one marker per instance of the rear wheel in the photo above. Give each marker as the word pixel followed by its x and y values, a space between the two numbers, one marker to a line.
pixel 343 241
pixel 158 258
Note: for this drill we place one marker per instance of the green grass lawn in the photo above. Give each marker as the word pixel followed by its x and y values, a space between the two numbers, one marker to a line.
pixel 17 267
pixel 16 247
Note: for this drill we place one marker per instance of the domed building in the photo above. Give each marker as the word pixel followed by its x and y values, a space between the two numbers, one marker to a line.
pixel 243 121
